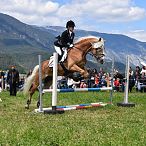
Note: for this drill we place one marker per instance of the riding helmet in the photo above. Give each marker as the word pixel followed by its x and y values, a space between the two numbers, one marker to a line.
pixel 70 23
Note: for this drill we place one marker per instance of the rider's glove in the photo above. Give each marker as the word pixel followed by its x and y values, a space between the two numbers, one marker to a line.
pixel 71 45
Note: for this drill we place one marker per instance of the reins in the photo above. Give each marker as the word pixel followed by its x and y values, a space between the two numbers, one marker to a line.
pixel 88 52
pixel 83 51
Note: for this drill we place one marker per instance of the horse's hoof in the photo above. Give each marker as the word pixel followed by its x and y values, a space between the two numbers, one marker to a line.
pixel 38 104
pixel 26 106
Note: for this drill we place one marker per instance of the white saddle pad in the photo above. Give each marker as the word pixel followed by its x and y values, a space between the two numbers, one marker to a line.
pixel 51 61
pixel 62 59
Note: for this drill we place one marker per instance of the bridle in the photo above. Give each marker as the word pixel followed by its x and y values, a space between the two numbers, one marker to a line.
pixel 88 52
pixel 100 55
pixel 94 55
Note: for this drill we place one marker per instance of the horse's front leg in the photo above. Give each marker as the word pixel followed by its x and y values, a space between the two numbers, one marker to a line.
pixel 83 72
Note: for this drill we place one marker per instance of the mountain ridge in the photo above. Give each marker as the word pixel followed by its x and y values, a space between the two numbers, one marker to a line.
pixel 22 43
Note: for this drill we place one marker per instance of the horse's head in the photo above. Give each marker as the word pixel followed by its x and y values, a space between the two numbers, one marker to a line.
pixel 98 50
pixel 92 44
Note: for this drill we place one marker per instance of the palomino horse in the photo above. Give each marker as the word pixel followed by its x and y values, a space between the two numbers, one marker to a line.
pixel 75 62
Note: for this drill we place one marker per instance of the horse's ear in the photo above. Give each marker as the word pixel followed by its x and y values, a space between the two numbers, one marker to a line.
pixel 99 39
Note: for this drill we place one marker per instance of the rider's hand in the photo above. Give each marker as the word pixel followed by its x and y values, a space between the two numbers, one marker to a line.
pixel 71 45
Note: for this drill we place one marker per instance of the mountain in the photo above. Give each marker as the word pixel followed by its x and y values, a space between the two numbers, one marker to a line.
pixel 21 43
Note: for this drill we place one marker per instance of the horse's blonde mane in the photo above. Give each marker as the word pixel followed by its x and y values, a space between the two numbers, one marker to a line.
pixel 86 37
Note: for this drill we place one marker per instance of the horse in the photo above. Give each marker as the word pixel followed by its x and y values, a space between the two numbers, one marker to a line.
pixel 75 62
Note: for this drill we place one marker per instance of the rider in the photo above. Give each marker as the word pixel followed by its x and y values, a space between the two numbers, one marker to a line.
pixel 65 41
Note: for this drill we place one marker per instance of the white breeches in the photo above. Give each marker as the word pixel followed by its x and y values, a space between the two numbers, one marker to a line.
pixel 58 50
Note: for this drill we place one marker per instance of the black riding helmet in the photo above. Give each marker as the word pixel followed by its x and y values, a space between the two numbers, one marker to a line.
pixel 70 24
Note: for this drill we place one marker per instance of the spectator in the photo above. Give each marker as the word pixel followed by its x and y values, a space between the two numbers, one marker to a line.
pixel 96 80
pixel 70 82
pixel 103 82
pixel 62 84
pixel 122 83
pixel 108 79
pixel 2 78
pixel 116 84
pixel 83 84
pixel 143 82
pixel 130 71
pixel 101 71
pixel 137 72
pixel 131 82
pixel 94 72
pixel 89 80
pixel 13 80
pixel 137 76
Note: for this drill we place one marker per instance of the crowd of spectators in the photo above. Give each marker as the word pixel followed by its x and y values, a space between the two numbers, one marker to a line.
pixel 96 79
pixel 99 79
pixel 137 79
pixel 140 79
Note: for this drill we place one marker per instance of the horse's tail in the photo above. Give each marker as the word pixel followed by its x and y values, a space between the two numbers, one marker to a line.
pixel 29 80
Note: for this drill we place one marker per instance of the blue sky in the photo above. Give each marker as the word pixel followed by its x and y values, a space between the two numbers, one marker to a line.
pixel 126 17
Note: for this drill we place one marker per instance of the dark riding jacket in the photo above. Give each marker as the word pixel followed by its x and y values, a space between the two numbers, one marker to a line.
pixel 13 76
pixel 65 40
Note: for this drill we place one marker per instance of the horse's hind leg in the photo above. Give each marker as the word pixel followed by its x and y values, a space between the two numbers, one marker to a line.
pixel 38 102
pixel 47 84
pixel 31 92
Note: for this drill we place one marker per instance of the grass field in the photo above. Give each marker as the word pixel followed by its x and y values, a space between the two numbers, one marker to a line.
pixel 104 126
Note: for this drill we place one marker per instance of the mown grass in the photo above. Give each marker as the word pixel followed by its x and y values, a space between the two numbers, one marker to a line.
pixel 104 126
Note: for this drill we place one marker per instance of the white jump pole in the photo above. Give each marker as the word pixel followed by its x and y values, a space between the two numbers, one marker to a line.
pixel 54 90
pixel 40 84
pixel 54 93
pixel 127 82
pixel 125 103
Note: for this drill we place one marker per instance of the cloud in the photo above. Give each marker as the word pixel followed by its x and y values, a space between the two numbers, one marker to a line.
pixel 89 14
pixel 101 11
pixel 30 7
pixel 137 34
pixel 37 12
